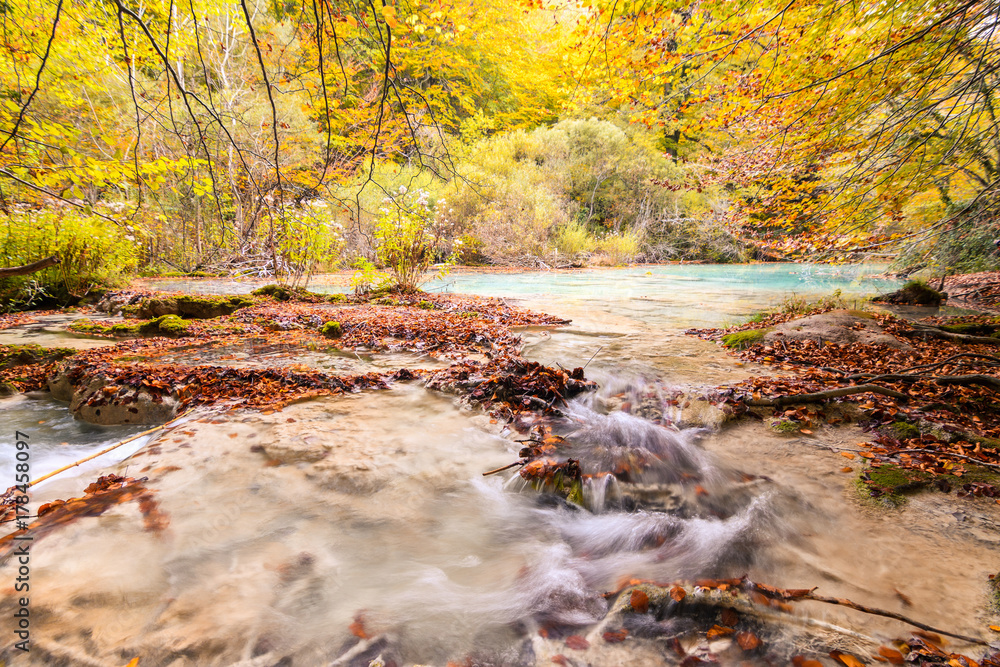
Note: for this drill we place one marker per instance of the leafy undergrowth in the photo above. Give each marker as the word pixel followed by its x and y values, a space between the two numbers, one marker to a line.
pixel 940 430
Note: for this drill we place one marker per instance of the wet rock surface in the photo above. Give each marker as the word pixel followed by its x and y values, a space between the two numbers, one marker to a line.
pixel 836 326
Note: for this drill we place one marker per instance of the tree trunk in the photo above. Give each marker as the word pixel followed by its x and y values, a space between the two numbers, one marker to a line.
pixel 29 268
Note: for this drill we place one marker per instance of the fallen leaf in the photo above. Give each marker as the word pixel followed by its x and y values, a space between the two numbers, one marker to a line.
pixel 802 661
pixel 577 643
pixel 995 628
pixel 717 631
pixel 748 641
pixel 847 455
pixel 846 659
pixel 134 662
pixel 677 593
pixel 615 637
pixel 847 469
pixel 729 617
pixel 560 659
pixel 805 431
pixel 891 654
pixel 639 602
pixel 357 628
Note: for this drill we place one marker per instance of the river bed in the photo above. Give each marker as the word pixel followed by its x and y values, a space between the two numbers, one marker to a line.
pixel 359 528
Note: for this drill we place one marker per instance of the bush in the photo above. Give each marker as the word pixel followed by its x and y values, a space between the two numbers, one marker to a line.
pixel 573 239
pixel 405 238
pixel 620 247
pixel 95 253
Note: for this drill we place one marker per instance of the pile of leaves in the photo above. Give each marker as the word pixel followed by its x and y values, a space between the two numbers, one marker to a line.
pixel 508 385
pixel 944 388
pixel 100 496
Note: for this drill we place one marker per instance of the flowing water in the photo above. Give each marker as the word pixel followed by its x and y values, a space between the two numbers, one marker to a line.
pixel 292 533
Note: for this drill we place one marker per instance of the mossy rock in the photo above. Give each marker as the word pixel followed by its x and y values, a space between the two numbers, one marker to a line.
pixel 336 298
pixel 193 307
pixel 741 340
pixel 427 305
pixel 384 301
pixel 971 329
pixel 331 330
pixel 7 389
pixel 167 325
pixel 914 293
pixel 863 314
pixel 31 353
pixel 286 293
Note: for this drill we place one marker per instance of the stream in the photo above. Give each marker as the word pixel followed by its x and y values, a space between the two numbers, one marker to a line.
pixel 359 530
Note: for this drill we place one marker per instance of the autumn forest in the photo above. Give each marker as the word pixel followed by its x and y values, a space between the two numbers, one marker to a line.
pixel 265 138
pixel 499 333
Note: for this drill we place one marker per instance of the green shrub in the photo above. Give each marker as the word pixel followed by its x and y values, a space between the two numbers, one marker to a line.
pixel 94 253
pixel 405 238
pixel 573 239
pixel 621 247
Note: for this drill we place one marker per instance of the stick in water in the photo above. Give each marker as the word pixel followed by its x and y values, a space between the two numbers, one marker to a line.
pixel 168 426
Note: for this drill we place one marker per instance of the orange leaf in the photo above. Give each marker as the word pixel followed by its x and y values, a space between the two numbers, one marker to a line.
pixel 719 631
pixel 891 654
pixel 847 469
pixel 134 662
pixel 846 659
pixel 578 643
pixel 639 602
pixel 806 431
pixel 615 637
pixel 357 628
pixel 800 661
pixel 748 641
pixel 995 628
pixel 677 593
pixel 729 617
pixel 847 455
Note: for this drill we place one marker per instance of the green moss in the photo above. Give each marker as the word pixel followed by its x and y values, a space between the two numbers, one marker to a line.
pixel 470 314
pixel 784 426
pixel 902 430
pixel 384 301
pixel 889 483
pixel 331 330
pixel 86 326
pixel 741 340
pixel 336 298
pixel 427 305
pixel 862 314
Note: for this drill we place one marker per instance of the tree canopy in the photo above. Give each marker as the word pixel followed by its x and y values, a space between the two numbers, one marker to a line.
pixel 205 130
